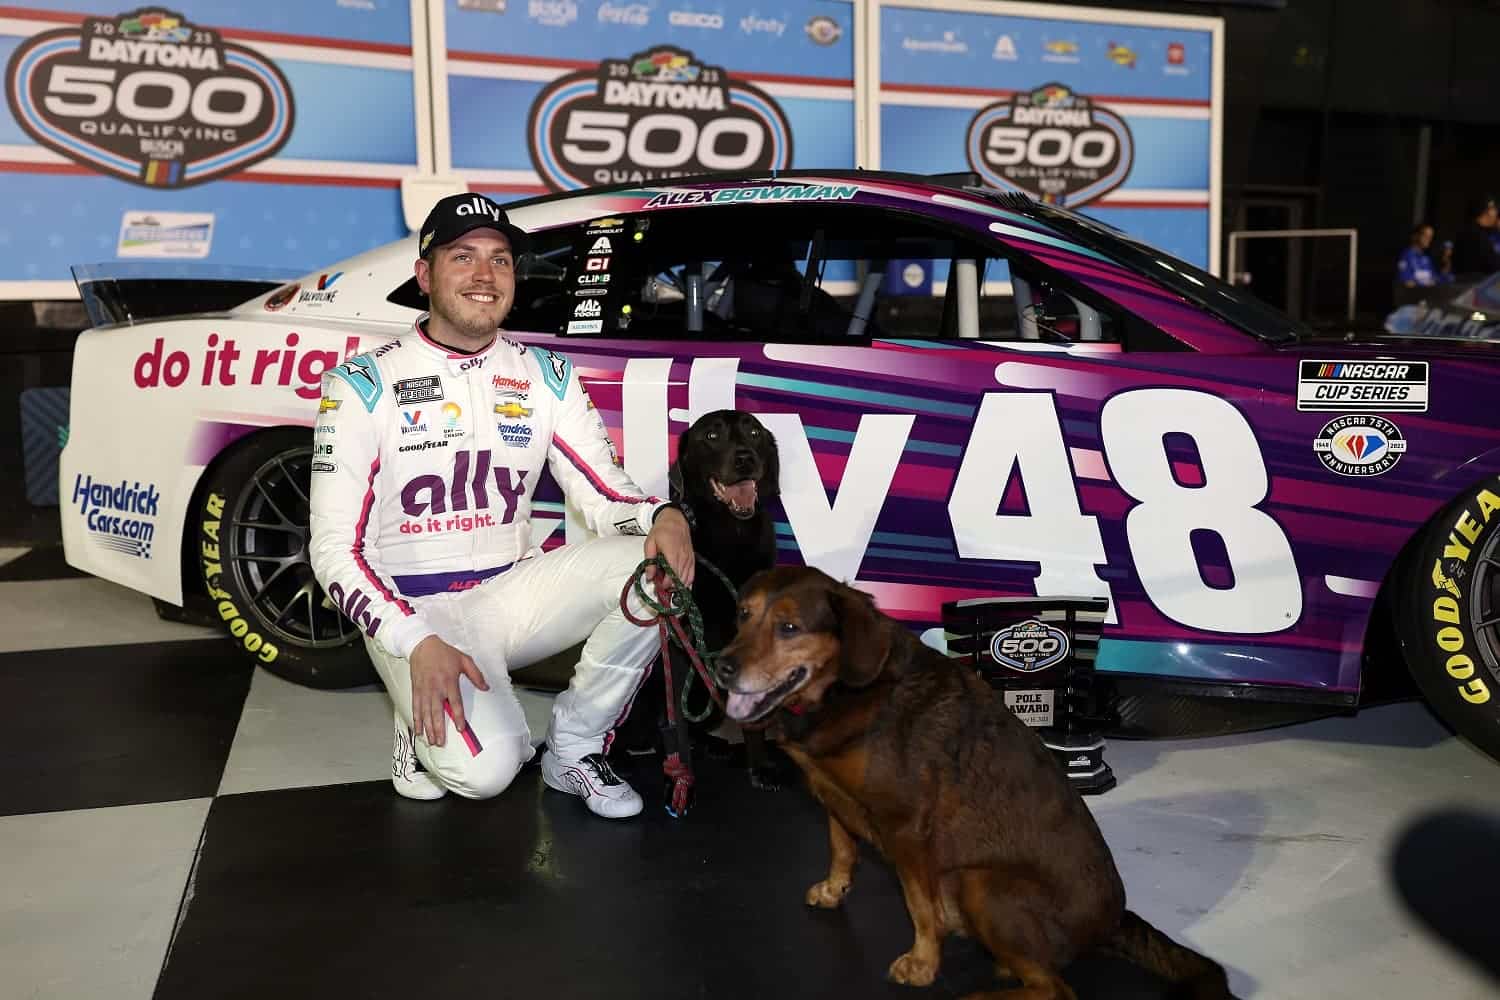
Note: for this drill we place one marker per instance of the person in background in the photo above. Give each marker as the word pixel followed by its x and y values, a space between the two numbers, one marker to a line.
pixel 1414 268
pixel 1474 254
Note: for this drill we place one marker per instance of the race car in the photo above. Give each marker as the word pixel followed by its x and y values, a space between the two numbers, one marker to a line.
pixel 1468 311
pixel 974 395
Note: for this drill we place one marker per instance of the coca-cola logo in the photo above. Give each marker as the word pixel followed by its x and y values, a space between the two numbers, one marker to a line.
pixel 661 113
pixel 1055 145
pixel 149 97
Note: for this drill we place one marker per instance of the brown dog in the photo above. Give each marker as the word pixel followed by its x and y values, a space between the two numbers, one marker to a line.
pixel 917 755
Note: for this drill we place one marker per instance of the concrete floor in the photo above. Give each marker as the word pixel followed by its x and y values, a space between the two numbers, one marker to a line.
pixel 1271 851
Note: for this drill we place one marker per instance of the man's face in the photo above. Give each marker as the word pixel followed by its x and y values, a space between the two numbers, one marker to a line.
pixel 1487 217
pixel 471 282
pixel 1424 237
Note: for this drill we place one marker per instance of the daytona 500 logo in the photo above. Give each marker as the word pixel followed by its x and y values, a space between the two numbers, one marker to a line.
pixel 1052 144
pixel 150 98
pixel 658 114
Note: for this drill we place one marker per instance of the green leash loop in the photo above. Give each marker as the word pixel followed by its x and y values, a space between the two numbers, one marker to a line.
pixel 681 604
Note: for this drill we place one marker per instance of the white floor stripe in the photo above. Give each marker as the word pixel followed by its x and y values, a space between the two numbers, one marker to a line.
pixel 86 611
pixel 9 554
pixel 91 896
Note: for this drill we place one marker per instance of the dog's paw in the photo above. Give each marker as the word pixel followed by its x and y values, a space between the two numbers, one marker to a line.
pixel 909 970
pixel 827 894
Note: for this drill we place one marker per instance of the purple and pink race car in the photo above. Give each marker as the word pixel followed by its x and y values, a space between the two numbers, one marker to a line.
pixel 973 394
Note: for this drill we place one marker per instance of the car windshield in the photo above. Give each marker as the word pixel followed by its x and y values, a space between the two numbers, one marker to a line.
pixel 1197 286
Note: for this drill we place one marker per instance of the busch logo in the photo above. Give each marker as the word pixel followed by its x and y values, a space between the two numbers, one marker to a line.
pixel 1052 144
pixel 432 494
pixel 149 98
pixel 355 606
pixel 661 113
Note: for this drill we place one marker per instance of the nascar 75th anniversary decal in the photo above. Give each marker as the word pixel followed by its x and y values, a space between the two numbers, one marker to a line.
pixel 660 113
pixel 149 97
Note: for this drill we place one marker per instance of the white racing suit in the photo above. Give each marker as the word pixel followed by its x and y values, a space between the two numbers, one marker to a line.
pixel 424 465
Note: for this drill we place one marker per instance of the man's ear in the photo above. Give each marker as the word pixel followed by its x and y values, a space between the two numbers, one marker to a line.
pixel 866 637
pixel 424 275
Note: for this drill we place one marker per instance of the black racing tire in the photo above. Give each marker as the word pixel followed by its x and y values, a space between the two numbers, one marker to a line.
pixel 251 541
pixel 1448 611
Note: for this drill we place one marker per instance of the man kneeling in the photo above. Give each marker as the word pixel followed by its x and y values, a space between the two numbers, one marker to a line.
pixel 426 453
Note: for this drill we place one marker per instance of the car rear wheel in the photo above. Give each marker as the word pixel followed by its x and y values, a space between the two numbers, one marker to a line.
pixel 254 559
pixel 1449 609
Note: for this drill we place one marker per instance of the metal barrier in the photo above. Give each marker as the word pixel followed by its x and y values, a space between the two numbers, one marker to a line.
pixel 1249 234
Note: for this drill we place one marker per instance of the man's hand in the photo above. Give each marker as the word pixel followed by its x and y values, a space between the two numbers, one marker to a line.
pixel 435 669
pixel 671 537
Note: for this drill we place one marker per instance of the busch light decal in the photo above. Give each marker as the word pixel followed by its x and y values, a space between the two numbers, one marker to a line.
pixel 1053 144
pixel 1029 646
pixel 659 114
pixel 150 98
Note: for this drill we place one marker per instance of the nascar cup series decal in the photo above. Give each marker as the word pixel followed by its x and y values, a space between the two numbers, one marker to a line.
pixel 1029 646
pixel 658 114
pixel 1055 145
pixel 150 98
pixel 1359 445
pixel 1362 386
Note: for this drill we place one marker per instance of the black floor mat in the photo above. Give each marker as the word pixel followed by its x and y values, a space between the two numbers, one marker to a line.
pixel 352 891
pixel 117 725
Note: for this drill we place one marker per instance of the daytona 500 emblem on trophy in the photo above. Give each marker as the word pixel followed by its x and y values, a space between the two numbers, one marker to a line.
pixel 1039 654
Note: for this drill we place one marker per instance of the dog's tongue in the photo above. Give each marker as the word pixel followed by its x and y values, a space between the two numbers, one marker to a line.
pixel 739 706
pixel 741 494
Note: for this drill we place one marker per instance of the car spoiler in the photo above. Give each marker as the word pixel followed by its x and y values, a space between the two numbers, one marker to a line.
pixel 117 292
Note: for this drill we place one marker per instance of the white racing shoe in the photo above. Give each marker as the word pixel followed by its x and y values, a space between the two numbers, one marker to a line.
pixel 407 773
pixel 593 780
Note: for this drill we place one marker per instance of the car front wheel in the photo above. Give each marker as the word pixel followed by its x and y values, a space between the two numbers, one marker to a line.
pixel 256 567
pixel 1449 607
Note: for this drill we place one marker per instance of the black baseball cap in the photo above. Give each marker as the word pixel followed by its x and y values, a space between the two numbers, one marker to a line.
pixel 457 214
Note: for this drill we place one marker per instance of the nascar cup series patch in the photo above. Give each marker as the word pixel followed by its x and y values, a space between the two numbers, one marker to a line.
pixel 149 97
pixel 1029 646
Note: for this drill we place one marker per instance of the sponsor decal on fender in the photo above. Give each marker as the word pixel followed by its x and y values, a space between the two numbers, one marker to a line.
pixel 1029 646
pixel 119 517
pixel 1053 144
pixel 1451 573
pixel 150 98
pixel 1356 386
pixel 1359 445
pixel 213 570
pixel 659 114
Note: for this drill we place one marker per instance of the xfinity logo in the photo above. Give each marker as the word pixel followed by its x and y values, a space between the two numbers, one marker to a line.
pixel 634 14
pixel 769 25
pixel 477 206
pixel 694 19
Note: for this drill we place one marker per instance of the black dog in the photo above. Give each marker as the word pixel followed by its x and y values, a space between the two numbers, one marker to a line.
pixel 726 472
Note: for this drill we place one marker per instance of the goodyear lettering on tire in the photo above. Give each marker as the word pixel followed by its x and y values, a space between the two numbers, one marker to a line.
pixel 213 570
pixel 1451 574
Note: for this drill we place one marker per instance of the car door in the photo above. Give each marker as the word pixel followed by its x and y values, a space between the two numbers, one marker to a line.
pixel 955 419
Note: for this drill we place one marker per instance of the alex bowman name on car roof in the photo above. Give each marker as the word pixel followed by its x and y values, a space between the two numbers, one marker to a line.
pixel 779 192
pixel 1362 385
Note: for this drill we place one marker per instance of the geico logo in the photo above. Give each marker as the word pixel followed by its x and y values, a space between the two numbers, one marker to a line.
pixel 355 606
pixel 478 206
pixel 694 19
pixel 469 489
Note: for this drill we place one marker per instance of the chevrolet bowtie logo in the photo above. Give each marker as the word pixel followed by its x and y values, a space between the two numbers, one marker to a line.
pixel 512 410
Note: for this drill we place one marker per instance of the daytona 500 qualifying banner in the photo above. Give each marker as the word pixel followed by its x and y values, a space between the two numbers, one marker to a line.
pixel 555 95
pixel 270 135
pixel 1114 113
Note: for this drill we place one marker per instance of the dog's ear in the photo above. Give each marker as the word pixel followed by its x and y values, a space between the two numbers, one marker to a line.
pixel 770 482
pixel 674 480
pixel 867 638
